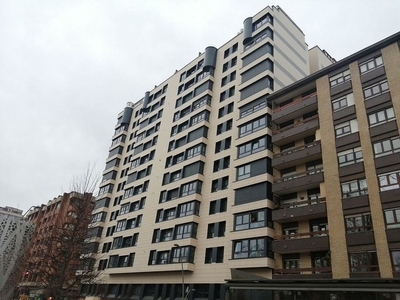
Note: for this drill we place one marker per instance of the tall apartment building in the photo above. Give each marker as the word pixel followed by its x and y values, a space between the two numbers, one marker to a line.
pixel 337 180
pixel 53 255
pixel 187 188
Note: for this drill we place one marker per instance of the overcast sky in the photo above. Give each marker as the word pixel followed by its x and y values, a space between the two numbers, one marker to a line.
pixel 67 68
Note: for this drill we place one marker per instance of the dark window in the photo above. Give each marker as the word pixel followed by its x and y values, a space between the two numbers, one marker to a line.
pixel 392 217
pixel 253 219
pixel 218 206
pixel 363 262
pixel 358 223
pixel 258 247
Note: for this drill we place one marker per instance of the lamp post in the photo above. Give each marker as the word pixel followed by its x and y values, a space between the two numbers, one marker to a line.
pixel 183 275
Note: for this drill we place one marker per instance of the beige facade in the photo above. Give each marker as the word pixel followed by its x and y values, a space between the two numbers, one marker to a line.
pixel 190 164
pixel 336 186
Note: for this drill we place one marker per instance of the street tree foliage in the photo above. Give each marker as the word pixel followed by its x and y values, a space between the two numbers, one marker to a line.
pixel 63 259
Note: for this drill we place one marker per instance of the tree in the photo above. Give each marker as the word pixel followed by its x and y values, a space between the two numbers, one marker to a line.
pixel 62 259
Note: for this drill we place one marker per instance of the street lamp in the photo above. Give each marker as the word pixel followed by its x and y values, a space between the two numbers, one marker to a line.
pixel 183 275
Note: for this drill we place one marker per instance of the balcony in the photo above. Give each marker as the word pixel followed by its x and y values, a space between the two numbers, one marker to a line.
pixel 356 202
pixel 296 131
pixel 300 210
pixel 390 196
pixel 303 273
pixel 301 242
pixel 298 155
pixel 360 238
pixel 393 235
pixel 298 107
pixel 299 181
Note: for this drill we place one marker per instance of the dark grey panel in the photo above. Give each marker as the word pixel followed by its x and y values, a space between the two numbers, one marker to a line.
pixel 109 175
pixel 257 69
pixel 251 193
pixel 115 151
pixel 360 238
pixel 205 86
pixel 264 49
pixel 377 73
pixel 126 117
pixel 247 30
pixel 378 100
pixel 256 87
pixel 210 58
pixel 112 163
pixel 353 202
pixel 131 177
pixel 258 167
pixel 344 113
pixel 351 169
pixel 347 139
pixel 382 131
pixel 199 132
pixel 341 87
pixel 146 99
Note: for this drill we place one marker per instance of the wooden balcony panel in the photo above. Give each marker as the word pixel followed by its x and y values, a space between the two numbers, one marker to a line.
pixel 298 155
pixel 296 131
pixel 296 108
pixel 360 238
pixel 302 210
pixel 297 243
pixel 298 181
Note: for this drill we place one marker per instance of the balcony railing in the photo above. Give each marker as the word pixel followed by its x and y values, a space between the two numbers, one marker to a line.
pixel 295 101
pixel 301 203
pixel 296 124
pixel 298 175
pixel 318 270
pixel 302 235
pixel 297 149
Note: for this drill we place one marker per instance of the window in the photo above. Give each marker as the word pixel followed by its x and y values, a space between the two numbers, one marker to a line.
pixel 254 146
pixel 387 147
pixel 343 102
pixel 253 219
pixel 258 247
pixel 350 157
pixel 191 188
pixel 218 206
pixel 221 164
pixel 189 208
pixel 243 172
pixel 254 126
pixel 121 225
pixel 392 217
pixel 354 188
pixel 376 89
pixel 339 78
pixel 185 231
pixel 290 262
pixel 364 262
pixel 264 20
pixel 199 149
pixel 395 260
pixel 183 254
pixel 371 64
pixel 214 255
pixel 389 181
pixel 358 223
pixel 346 128
pixel 223 145
pixel 381 117
pixel 216 229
